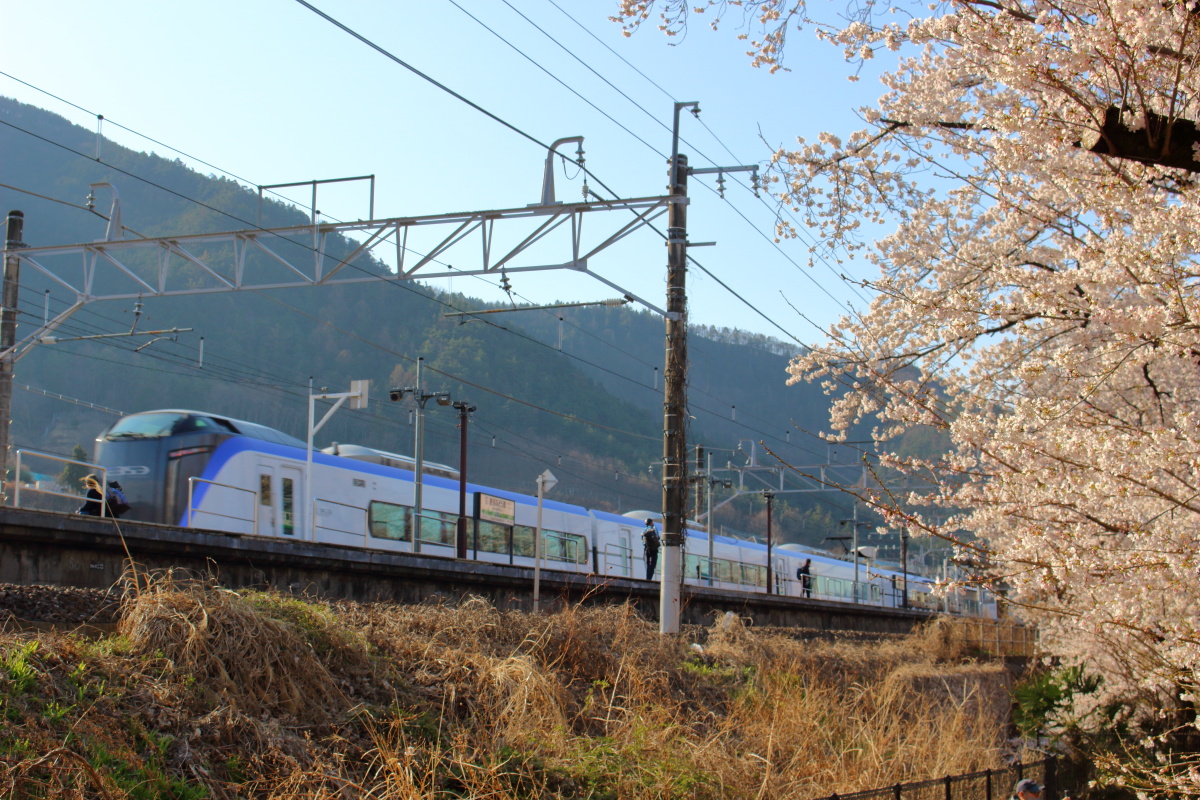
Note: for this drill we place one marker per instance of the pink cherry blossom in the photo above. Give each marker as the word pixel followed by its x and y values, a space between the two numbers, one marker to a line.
pixel 1037 300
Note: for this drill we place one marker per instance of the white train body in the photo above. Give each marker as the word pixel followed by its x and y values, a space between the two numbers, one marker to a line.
pixel 240 483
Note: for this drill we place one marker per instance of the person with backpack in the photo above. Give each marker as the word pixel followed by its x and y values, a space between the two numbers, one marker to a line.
pixel 804 575
pixel 650 545
pixel 115 499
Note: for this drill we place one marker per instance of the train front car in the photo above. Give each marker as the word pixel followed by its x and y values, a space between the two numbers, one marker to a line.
pixel 154 454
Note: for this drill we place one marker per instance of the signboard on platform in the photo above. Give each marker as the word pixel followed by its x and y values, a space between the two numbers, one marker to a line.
pixel 496 509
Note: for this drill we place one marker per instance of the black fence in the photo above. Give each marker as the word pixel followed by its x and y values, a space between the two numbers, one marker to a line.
pixel 991 784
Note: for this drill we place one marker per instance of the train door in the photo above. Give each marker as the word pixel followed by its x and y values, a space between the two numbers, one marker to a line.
pixel 279 500
pixel 291 501
pixel 625 551
pixel 779 570
pixel 268 493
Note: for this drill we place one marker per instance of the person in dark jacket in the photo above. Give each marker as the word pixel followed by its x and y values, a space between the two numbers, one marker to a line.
pixel 804 575
pixel 650 545
pixel 91 507
pixel 114 499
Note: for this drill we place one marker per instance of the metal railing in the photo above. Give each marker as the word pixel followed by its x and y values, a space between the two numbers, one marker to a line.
pixel 445 524
pixel 991 784
pixel 628 563
pixel 568 548
pixel 18 486
pixel 358 530
pixel 191 503
pixel 618 558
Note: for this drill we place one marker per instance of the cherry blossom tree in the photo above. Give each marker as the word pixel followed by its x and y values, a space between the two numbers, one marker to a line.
pixel 1037 299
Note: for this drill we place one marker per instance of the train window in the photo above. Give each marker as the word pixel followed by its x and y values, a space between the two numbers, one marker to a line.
pixel 523 541
pixel 146 426
pixel 493 537
pixel 289 512
pixel 565 547
pixel 438 527
pixel 264 490
pixel 388 521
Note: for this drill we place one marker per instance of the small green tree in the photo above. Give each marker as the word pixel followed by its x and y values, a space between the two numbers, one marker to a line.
pixel 72 474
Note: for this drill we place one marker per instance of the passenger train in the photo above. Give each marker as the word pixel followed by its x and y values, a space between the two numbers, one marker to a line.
pixel 195 469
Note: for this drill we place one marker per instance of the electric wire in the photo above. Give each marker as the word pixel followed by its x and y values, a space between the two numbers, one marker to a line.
pixel 218 210
pixel 238 377
pixel 557 79
pixel 138 134
pixel 635 136
pixel 243 378
pixel 245 222
pixel 655 119
pixel 233 216
pixel 704 124
pixel 74 400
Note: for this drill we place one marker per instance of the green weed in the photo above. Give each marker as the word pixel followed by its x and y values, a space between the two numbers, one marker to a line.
pixel 20 673
pixel 54 711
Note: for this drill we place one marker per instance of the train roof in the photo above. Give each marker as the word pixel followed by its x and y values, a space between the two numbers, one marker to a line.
pixel 169 421
pixel 360 452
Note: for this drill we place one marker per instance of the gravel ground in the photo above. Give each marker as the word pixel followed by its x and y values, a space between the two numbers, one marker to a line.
pixel 58 604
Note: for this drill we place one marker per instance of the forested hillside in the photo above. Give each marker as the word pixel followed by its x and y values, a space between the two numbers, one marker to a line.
pixel 591 410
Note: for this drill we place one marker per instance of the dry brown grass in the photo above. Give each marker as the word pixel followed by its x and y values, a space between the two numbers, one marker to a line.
pixel 211 693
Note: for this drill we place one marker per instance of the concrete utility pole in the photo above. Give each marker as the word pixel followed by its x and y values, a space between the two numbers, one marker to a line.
pixel 674 486
pixel 8 332
pixel 675 461
pixel 770 498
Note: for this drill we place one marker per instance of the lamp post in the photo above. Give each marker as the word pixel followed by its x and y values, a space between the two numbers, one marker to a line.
pixel 421 398
pixel 545 482
pixel 358 399
pixel 460 544
pixel 854 521
pixel 708 515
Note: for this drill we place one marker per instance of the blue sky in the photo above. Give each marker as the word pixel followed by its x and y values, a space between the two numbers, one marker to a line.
pixel 272 93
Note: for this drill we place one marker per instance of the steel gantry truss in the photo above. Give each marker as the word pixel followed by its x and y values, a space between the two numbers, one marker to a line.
pixel 296 256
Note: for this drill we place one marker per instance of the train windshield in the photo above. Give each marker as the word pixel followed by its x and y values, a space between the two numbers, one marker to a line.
pixel 159 425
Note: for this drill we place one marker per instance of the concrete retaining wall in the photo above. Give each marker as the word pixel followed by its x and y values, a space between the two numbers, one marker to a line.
pixel 67 549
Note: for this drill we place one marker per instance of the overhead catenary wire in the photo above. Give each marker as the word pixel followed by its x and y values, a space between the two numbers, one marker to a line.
pixel 323 322
pixel 294 394
pixel 407 66
pixel 480 109
pixel 652 116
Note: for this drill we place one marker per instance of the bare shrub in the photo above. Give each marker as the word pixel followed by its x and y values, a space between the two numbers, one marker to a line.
pixel 218 637
pixel 263 695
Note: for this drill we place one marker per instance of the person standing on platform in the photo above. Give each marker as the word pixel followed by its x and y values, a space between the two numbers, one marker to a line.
pixel 650 545
pixel 804 575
